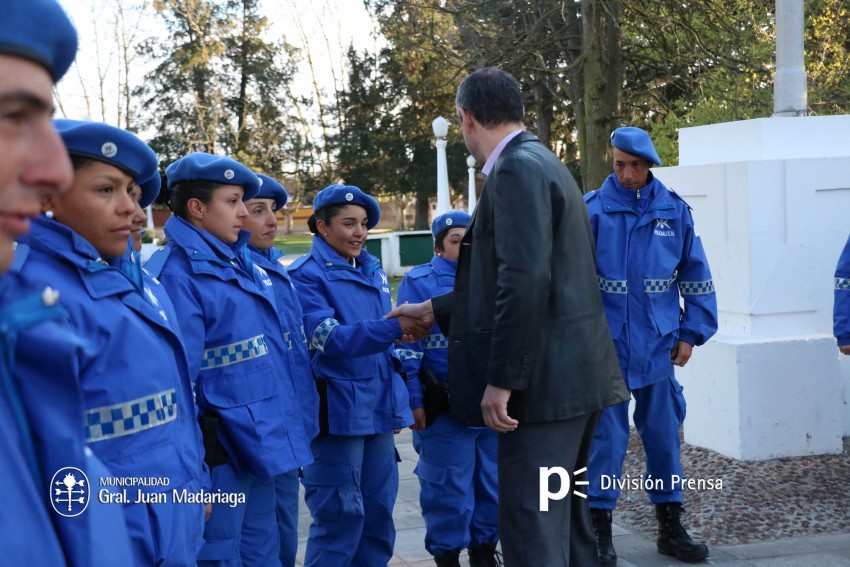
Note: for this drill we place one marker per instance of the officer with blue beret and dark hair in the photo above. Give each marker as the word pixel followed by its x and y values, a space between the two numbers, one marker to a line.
pixel 249 406
pixel 262 223
pixel 41 403
pixel 457 465
pixel 141 425
pixel 648 256
pixel 344 293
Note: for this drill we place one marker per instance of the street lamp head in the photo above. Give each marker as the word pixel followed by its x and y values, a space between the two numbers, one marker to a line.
pixel 470 161
pixel 440 126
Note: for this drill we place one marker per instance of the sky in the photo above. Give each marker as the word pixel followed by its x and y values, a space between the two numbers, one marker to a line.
pixel 326 26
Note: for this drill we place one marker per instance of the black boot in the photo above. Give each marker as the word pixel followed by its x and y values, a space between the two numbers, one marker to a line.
pixel 672 537
pixel 448 559
pixel 485 556
pixel 604 544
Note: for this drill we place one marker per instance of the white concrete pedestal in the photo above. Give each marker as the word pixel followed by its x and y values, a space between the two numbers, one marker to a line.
pixel 771 200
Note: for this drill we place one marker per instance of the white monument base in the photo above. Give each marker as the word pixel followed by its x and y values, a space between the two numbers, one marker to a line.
pixel 753 400
pixel 771 199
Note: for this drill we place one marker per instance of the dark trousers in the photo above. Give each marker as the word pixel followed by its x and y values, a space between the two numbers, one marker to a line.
pixel 563 535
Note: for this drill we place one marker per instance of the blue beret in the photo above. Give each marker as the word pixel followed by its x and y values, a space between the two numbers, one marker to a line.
pixel 636 142
pixel 38 30
pixel 200 166
pixel 102 142
pixel 150 189
pixel 451 219
pixel 349 195
pixel 271 189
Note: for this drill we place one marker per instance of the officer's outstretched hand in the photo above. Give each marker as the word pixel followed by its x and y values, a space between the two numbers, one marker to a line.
pixel 681 353
pixel 413 329
pixel 494 406
pixel 416 319
pixel 844 349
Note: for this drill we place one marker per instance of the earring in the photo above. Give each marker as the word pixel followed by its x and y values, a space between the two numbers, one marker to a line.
pixel 48 214
pixel 440 254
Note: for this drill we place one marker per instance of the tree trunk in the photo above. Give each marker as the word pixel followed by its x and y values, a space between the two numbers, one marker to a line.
pixel 423 209
pixel 603 88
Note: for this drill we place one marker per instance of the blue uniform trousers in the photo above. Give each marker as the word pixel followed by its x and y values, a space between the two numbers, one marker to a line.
pixel 350 490
pixel 458 482
pixel 286 497
pixel 659 412
pixel 244 535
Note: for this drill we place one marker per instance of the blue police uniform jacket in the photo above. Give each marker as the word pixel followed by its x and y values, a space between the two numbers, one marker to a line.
pixel 226 309
pixel 292 322
pixel 139 418
pixel 422 283
pixel 351 344
pixel 841 307
pixel 41 433
pixel 647 254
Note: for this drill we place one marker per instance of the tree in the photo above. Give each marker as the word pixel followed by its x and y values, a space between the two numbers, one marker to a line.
pixel 385 142
pixel 183 93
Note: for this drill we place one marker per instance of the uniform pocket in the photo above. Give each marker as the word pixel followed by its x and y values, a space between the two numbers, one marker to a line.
pixel 430 473
pixel 332 493
pixel 678 400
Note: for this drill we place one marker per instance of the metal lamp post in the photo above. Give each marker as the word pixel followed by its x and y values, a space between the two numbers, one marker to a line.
pixel 470 164
pixel 441 129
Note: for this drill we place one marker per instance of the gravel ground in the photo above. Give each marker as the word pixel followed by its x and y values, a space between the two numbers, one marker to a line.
pixel 758 501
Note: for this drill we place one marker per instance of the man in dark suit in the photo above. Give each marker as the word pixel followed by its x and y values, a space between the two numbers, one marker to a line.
pixel 530 353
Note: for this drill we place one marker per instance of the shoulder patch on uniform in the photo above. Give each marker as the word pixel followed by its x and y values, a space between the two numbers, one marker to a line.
pixel 157 260
pixel 420 271
pixel 590 195
pixel 297 263
pixel 680 198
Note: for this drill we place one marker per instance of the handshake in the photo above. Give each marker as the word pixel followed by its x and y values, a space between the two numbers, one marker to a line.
pixel 416 320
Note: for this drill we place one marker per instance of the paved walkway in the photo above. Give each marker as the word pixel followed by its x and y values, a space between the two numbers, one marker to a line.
pixel 635 550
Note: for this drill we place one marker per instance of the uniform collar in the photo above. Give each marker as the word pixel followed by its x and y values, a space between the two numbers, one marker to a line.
pixel 60 241
pixel 271 254
pixel 443 265
pixel 330 258
pixel 196 239
pixel 613 194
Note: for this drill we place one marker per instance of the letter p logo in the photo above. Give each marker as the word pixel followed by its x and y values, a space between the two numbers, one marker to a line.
pixel 545 494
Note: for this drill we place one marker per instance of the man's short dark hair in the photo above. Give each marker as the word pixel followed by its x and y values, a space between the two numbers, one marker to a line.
pixel 492 96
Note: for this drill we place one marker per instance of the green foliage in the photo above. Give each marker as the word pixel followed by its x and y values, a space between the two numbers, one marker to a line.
pixel 385 143
pixel 220 87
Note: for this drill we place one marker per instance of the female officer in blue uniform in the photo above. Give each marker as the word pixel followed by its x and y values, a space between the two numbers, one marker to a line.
pixel 457 465
pixel 261 222
pixel 139 417
pixel 647 255
pixel 351 488
pixel 253 429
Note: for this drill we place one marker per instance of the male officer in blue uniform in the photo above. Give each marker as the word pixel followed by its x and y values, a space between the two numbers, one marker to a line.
pixel 841 308
pixel 648 254
pixel 40 404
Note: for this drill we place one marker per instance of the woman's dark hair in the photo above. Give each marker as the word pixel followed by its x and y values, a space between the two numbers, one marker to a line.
pixel 440 238
pixel 325 214
pixel 178 195
pixel 79 162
